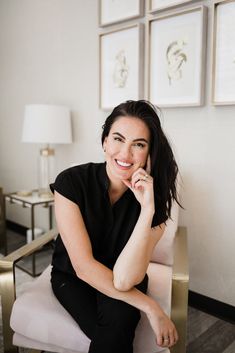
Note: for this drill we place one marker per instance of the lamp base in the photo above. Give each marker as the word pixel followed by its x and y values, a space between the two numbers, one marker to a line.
pixel 46 171
pixel 45 193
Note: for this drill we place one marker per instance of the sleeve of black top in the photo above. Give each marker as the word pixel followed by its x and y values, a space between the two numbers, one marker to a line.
pixel 65 185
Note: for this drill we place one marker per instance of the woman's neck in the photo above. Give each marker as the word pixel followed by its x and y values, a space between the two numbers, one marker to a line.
pixel 116 188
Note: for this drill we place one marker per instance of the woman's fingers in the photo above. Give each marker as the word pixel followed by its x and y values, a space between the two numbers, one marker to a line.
pixel 139 184
pixel 167 337
pixel 165 341
pixel 139 171
pixel 159 339
pixel 140 176
pixel 171 338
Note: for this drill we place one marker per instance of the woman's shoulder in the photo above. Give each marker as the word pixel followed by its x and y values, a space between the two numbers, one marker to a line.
pixel 75 180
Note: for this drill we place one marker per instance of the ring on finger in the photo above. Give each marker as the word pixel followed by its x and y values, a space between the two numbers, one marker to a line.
pixel 145 177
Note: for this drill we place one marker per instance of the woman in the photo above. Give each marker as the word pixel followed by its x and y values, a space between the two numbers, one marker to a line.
pixel 110 217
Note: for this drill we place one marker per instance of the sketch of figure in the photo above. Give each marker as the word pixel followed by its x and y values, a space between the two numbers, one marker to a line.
pixel 121 70
pixel 175 58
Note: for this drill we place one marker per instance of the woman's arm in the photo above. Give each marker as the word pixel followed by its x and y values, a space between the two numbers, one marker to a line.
pixel 76 240
pixel 132 263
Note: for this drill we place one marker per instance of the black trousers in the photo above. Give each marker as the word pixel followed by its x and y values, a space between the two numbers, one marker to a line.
pixel 108 322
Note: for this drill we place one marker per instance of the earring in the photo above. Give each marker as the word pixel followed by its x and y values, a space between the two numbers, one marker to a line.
pixel 104 149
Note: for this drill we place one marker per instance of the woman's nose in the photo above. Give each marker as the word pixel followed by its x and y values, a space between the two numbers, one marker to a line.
pixel 126 151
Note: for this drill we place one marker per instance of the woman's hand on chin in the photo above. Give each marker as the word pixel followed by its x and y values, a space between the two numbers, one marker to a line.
pixel 141 184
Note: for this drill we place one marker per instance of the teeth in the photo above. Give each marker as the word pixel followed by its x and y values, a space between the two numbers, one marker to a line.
pixel 123 164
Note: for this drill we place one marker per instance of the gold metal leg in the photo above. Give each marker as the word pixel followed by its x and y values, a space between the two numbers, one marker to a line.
pixel 179 305
pixel 179 314
pixel 7 290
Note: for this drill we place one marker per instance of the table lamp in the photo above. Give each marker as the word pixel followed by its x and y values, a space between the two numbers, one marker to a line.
pixel 46 124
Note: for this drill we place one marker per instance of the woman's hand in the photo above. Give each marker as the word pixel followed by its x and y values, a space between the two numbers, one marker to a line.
pixel 141 184
pixel 163 327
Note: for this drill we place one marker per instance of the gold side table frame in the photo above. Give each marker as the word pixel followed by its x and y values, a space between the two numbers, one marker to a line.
pixel 31 202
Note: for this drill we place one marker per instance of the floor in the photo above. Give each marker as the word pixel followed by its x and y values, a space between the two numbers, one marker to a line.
pixel 205 334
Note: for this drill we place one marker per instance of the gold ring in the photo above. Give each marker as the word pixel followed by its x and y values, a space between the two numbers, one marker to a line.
pixel 145 176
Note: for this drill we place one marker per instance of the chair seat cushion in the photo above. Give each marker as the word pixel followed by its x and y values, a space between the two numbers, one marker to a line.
pixel 39 321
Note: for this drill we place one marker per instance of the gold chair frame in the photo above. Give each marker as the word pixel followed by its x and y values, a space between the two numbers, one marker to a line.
pixel 180 279
pixel 3 243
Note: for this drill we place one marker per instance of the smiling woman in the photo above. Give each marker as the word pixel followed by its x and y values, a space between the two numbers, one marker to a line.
pixel 110 217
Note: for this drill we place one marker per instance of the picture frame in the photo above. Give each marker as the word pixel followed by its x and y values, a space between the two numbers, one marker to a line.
pixel 121 65
pixel 223 53
pixel 114 11
pixel 176 58
pixel 160 5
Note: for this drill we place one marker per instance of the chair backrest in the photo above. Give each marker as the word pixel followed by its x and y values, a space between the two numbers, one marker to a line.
pixel 164 250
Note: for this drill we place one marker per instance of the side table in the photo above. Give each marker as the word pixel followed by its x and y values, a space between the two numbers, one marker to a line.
pixel 31 202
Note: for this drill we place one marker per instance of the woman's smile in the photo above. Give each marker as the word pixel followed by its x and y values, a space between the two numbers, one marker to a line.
pixel 123 165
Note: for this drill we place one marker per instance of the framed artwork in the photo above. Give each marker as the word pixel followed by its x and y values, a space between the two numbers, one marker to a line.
pixel 176 55
pixel 113 11
pixel 121 65
pixel 223 65
pixel 159 5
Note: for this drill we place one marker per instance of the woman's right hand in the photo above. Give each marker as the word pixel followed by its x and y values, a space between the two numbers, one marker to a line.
pixel 163 327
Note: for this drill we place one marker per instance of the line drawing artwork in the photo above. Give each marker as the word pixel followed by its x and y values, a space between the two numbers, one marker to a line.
pixel 176 57
pixel 121 70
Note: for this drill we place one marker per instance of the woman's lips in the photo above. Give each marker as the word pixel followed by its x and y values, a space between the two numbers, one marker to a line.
pixel 123 165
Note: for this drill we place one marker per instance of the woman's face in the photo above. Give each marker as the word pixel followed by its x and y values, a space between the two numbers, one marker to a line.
pixel 127 147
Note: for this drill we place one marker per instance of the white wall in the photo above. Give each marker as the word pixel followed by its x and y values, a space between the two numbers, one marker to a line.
pixel 49 54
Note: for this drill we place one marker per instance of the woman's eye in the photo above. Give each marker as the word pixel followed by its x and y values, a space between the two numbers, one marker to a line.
pixel 140 145
pixel 117 139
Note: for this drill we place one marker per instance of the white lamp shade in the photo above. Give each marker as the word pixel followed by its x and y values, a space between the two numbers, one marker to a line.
pixel 47 124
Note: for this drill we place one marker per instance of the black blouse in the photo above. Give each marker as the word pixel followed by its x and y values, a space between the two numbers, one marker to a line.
pixel 109 226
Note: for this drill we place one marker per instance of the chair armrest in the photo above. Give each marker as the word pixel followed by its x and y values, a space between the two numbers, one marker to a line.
pixel 179 305
pixel 7 282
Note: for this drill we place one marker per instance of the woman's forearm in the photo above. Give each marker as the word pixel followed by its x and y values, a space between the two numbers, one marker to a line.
pixel 132 263
pixel 100 277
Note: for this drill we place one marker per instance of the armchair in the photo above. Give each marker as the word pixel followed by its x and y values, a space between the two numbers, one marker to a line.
pixel 36 320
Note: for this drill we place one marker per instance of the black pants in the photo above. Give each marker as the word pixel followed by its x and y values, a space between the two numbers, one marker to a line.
pixel 108 322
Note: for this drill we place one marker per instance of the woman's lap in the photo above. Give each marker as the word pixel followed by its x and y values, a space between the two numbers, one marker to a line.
pixel 98 315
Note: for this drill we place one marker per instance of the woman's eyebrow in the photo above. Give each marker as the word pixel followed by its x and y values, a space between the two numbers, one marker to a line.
pixel 139 139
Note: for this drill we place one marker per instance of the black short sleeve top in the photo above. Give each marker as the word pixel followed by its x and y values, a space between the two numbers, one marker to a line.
pixel 109 226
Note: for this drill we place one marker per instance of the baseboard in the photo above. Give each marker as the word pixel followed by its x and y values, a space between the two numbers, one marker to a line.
pixel 213 307
pixel 15 227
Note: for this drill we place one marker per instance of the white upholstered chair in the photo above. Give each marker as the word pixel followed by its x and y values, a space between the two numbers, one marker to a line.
pixel 40 323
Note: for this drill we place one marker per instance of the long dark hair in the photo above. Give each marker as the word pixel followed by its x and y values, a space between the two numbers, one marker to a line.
pixel 164 168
